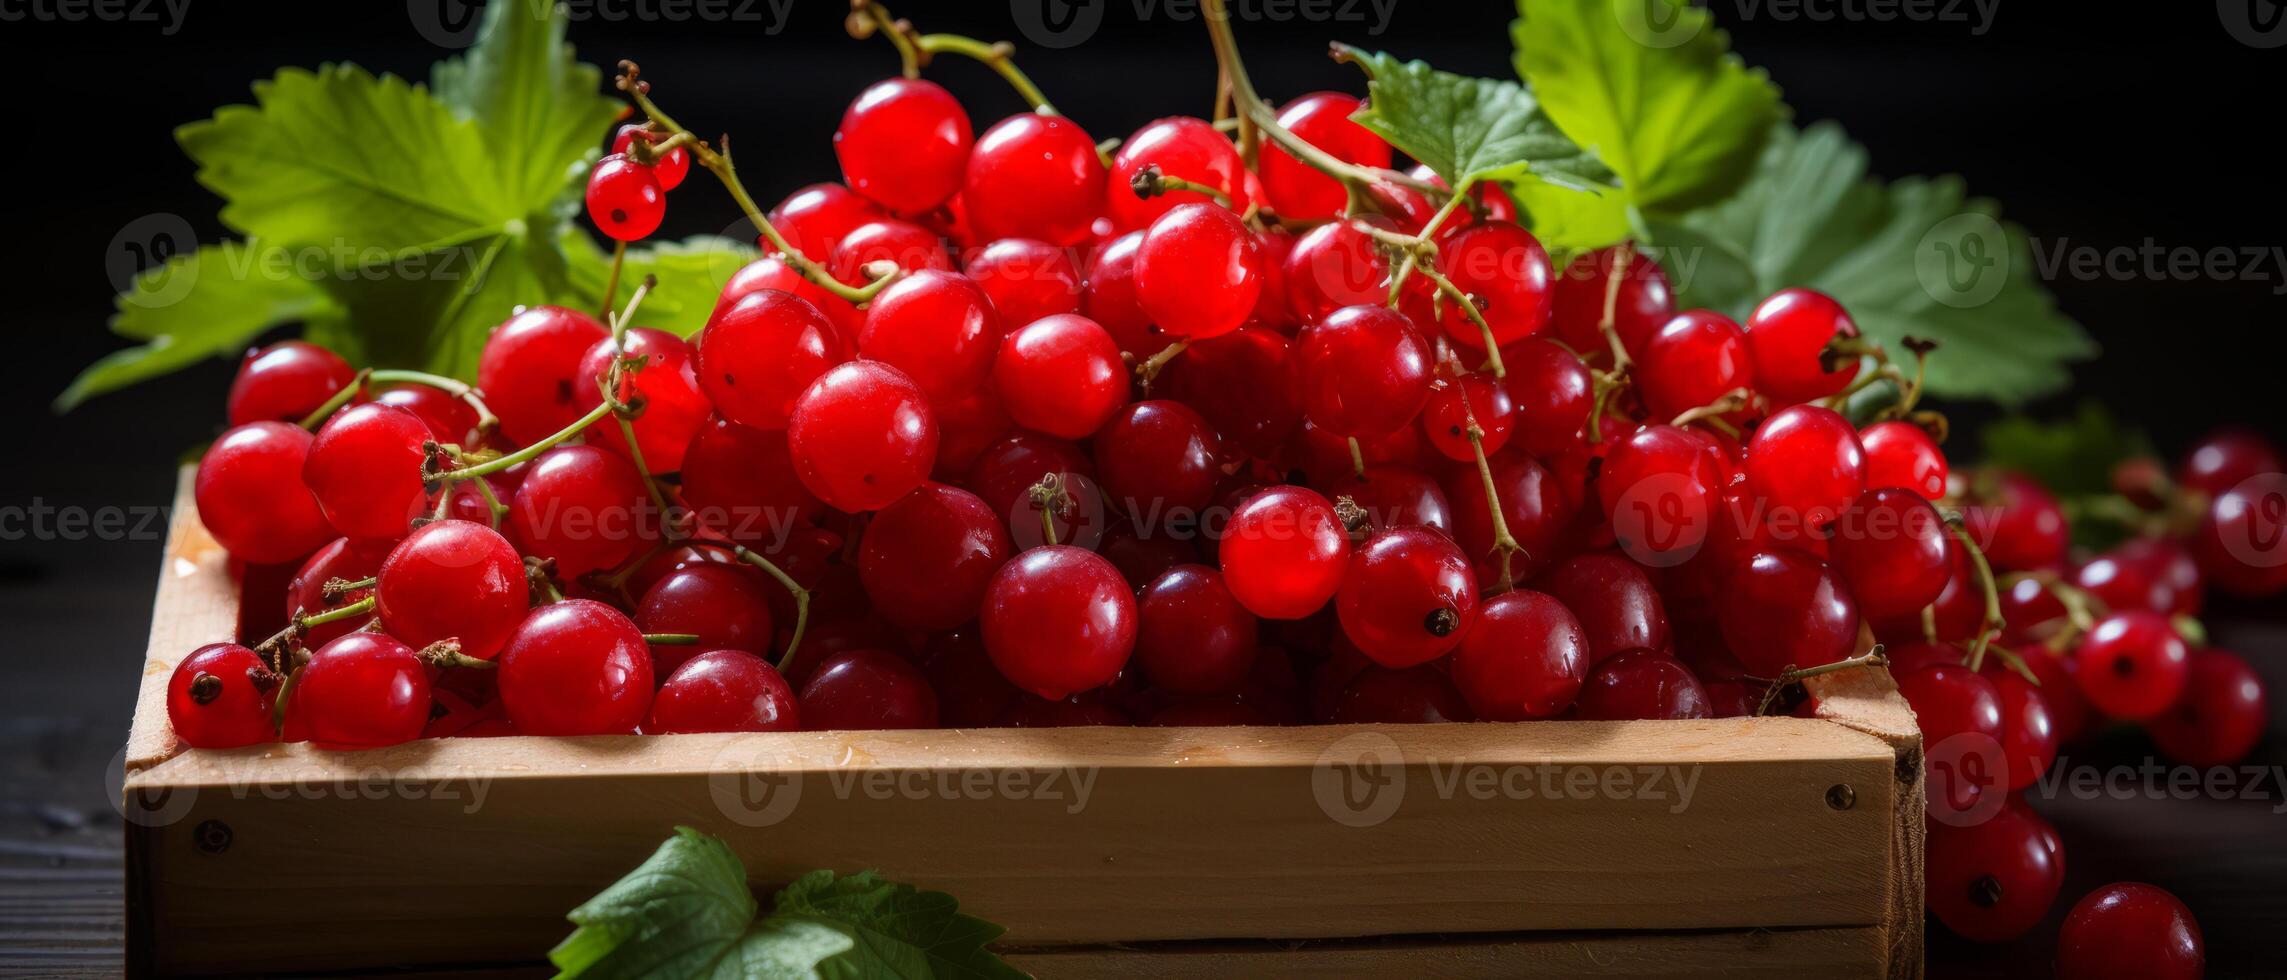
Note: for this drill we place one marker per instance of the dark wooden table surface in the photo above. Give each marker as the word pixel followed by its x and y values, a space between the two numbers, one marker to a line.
pixel 76 620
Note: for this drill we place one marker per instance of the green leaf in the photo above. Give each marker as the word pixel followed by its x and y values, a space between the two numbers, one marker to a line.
pixel 541 111
pixel 691 275
pixel 1916 257
pixel 686 912
pixel 1461 126
pixel 900 930
pixel 432 308
pixel 1651 88
pixel 342 157
pixel 208 303
pixel 2073 457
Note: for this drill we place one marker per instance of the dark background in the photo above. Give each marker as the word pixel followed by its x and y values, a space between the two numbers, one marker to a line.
pixel 2092 125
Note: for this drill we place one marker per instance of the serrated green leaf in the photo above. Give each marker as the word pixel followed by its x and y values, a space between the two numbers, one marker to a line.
pixel 900 930
pixel 677 914
pixel 206 303
pixel 691 275
pixel 1461 126
pixel 540 109
pixel 1916 257
pixel 343 157
pixel 1651 88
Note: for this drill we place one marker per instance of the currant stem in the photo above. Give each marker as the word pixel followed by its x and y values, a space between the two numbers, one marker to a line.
pixel 492 505
pixel 335 588
pixel 1149 183
pixel 1504 544
pixel 866 19
pixel 1148 369
pixel 447 653
pixel 1000 56
pixel 351 611
pixel 801 599
pixel 1609 326
pixel 531 452
pixel 540 573
pixel 467 393
pixel 719 164
pixel 1469 307
pixel 672 639
pixel 326 409
pixel 1876 657
pixel 1046 495
pixel 1993 624
pixel 1357 458
pixel 611 282
pixel 1429 234
pixel 1712 413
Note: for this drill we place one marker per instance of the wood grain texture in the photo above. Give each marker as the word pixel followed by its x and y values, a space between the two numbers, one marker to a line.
pixel 285 858
pixel 1868 701
pixel 1826 953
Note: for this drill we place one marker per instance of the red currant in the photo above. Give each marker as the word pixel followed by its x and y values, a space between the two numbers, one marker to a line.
pixel 1788 335
pixel 1890 546
pixel 2015 520
pixel 1660 489
pixel 1551 391
pixel 815 219
pixel 740 483
pixel 1299 192
pixel 2133 665
pixel 2238 544
pixel 1058 620
pixel 1643 304
pixel 250 494
pixel 723 691
pixel 723 605
pixel 1397 496
pixel 2028 730
pixel 576 667
pixel 2221 717
pixel 1284 553
pixel 1243 384
pixel 904 143
pixel 1180 147
pixel 1960 714
pixel 1061 375
pixel 362 691
pixel 1993 880
pixel 758 356
pixel 625 199
pixel 1336 265
pixel 1192 637
pixel 1381 695
pixel 903 244
pixel 2131 931
pixel 1003 476
pixel 1525 659
pixel 1026 279
pixel 1109 297
pixel 1157 457
pixel 1694 359
pixel 667 386
pixel 1034 176
pixel 1642 685
pixel 365 469
pixel 219 698
pixel 345 559
pixel 862 436
pixel 1900 454
pixel 286 381
pixel 1408 596
pixel 1531 505
pixel 927 559
pixel 1364 371
pixel 1805 462
pixel 1199 271
pixel 2226 459
pixel 671 167
pixel 1617 606
pixel 1786 609
pixel 581 507
pixel 453 580
pixel 1504 270
pixel 530 370
pixel 1455 404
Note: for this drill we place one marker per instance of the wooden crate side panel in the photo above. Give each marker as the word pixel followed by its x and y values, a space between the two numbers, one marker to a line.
pixel 347 860
pixel 1869 702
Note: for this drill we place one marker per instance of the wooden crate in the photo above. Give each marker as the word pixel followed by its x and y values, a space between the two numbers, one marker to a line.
pixel 1197 852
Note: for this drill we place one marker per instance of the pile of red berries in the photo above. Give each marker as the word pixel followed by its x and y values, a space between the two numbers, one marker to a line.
pixel 1009 430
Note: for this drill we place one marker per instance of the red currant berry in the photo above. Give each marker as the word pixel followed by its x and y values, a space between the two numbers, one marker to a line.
pixel 927 559
pixel 1181 147
pixel 285 382
pixel 723 605
pixel 1364 371
pixel 576 668
pixel 1109 297
pixel 1504 270
pixel 1532 507
pixel 1034 176
pixel 1960 714
pixel 740 483
pixel 1058 620
pixel 345 559
pixel 815 219
pixel 1643 304
pixel 1890 546
pixel 862 436
pixel 453 580
pixel 1157 458
pixel 1284 553
pixel 1003 476
pixel 971 693
pixel 1061 375
pixel 1788 336
pixel 758 356
pixel 1381 695
pixel 1524 660
pixel 250 494
pixel 219 698
pixel 1642 685
pixel 1551 390
pixel 2226 459
pixel 1900 454
pixel 2028 730
pixel 671 167
pixel 2221 717
pixel 938 328
pixel 362 691
pixel 1695 359
pixel 967 427
pixel 2238 543
pixel 2131 931
pixel 1785 609
pixel 774 272
pixel 1299 192
pixel 1614 600
pixel 1192 637
pixel 530 370
pixel 2133 665
pixel 1408 597
pixel 1026 279
pixel 1993 880
pixel 449 419
pixel 723 691
pixel 1199 271
pixel 904 143
pixel 2018 524
pixel 1243 384
pixel 581 507
pixel 1336 265
pixel 1455 404
pixel 1805 462
pixel 365 470
pixel 667 386
pixel 625 199
pixel 1397 496
pixel 903 244
pixel 1142 558
pixel 1660 489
